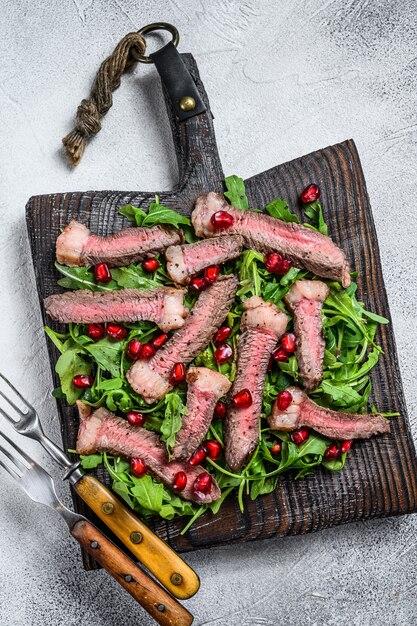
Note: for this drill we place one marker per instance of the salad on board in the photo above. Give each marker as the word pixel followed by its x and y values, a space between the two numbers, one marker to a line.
pixel 208 356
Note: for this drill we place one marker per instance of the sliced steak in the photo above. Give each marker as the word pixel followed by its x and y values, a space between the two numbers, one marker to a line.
pixel 185 261
pixel 262 325
pixel 303 412
pixel 76 245
pixel 205 388
pixel 103 431
pixel 150 379
pixel 305 300
pixel 304 247
pixel 163 305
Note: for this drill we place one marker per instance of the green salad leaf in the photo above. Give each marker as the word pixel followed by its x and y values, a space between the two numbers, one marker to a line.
pixel 236 193
pixel 279 208
pixel 157 214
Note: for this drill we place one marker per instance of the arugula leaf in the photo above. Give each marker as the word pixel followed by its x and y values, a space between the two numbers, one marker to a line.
pixel 81 278
pixel 279 209
pixel 91 461
pixel 133 277
pixel 315 212
pixel 133 213
pixel 68 365
pixel 172 422
pixel 236 193
pixel 148 493
pixel 107 354
pixel 160 214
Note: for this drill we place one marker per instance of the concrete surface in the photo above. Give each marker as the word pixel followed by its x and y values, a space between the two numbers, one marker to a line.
pixel 284 78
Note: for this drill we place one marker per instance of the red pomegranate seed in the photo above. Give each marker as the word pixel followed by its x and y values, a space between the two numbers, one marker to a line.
pixel 138 467
pixel 222 335
pixel 82 381
pixel 180 481
pixel 178 374
pixel 159 341
pixel 211 274
pixel 284 399
pixel 96 331
pixel 220 410
pixel 332 452
pixel 223 353
pixel 284 267
pixel 203 483
pixel 288 342
pixel 310 194
pixel 272 261
pixel 147 352
pixel 221 219
pixel 133 349
pixel 150 265
pixel 299 436
pixel 136 419
pixel 242 399
pixel 213 449
pixel 116 331
pixel 276 449
pixel 345 446
pixel 102 273
pixel 198 457
pixel 280 355
pixel 198 284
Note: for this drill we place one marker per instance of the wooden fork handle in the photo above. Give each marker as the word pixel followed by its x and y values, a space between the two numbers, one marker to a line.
pixel 153 552
pixel 155 600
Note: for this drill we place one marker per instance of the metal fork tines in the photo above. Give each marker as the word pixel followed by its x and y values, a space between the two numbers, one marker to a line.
pixel 33 479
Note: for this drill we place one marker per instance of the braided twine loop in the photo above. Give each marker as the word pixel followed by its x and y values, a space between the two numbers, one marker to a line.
pixel 92 109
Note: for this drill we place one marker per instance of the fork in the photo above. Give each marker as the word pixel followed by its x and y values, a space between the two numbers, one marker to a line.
pixel 167 566
pixel 39 486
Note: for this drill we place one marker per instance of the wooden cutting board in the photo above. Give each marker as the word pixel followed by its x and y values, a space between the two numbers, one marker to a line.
pixel 379 478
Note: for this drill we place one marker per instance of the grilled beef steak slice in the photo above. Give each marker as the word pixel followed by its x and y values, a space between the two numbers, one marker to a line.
pixel 103 431
pixel 185 261
pixel 303 412
pixel 76 245
pixel 262 325
pixel 163 305
pixel 305 300
pixel 150 379
pixel 205 388
pixel 304 247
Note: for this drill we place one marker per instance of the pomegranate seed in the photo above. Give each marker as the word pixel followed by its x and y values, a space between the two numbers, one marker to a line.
pixel 102 273
pixel 223 353
pixel 198 457
pixel 288 342
pixel 203 483
pixel 276 449
pixel 310 194
pixel 242 399
pixel 220 410
pixel 198 284
pixel 116 331
pixel 284 399
pixel 82 381
pixel 178 374
pixel 280 355
pixel 332 451
pixel 284 267
pixel 96 331
pixel 211 274
pixel 221 335
pixel 150 265
pixel 221 219
pixel 133 349
pixel 159 341
pixel 147 352
pixel 138 467
pixel 299 436
pixel 180 481
pixel 213 449
pixel 136 419
pixel 272 261
pixel 345 446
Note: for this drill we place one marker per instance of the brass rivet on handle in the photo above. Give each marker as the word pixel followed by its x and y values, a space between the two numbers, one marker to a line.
pixel 187 103
pixel 160 607
pixel 108 508
pixel 128 578
pixel 176 579
pixel 136 537
pixel 94 545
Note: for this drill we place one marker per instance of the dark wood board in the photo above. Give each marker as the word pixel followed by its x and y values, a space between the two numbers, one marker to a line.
pixel 380 476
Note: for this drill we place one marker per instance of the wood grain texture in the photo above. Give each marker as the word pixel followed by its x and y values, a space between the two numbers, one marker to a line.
pixel 379 478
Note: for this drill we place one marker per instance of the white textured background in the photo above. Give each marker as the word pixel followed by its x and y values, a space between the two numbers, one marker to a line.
pixel 284 78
